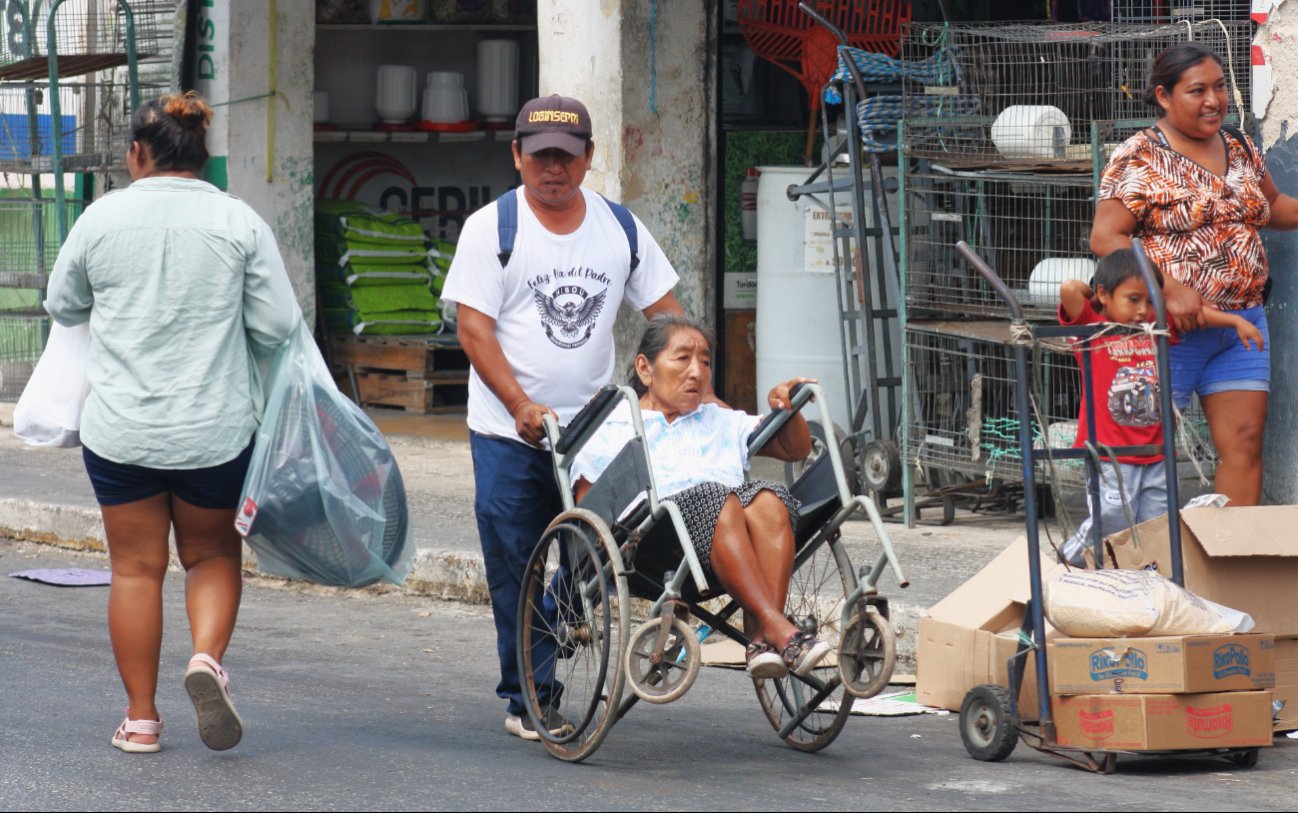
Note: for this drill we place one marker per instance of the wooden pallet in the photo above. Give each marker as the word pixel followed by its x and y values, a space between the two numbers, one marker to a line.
pixel 420 374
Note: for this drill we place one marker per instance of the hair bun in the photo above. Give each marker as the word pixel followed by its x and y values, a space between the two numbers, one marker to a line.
pixel 189 109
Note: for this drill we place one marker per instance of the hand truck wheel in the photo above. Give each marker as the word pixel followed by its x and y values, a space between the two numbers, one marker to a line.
pixel 989 729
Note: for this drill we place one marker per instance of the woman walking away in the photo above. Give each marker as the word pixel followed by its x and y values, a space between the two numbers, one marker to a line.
pixel 177 279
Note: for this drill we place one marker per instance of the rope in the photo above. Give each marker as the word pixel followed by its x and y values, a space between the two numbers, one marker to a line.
pixel 873 67
pixel 1022 333
pixel 878 116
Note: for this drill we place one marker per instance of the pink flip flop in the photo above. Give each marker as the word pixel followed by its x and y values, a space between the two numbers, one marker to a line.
pixel 208 685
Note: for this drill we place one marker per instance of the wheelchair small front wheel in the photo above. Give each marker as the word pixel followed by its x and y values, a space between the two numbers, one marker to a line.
pixel 672 675
pixel 573 614
pixel 867 653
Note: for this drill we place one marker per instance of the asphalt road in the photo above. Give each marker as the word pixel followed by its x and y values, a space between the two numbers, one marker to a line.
pixel 379 700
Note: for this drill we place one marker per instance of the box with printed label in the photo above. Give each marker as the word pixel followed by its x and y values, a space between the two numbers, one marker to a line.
pixel 1167 664
pixel 1164 722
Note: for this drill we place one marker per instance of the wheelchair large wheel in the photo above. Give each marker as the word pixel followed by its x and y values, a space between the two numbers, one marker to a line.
pixel 818 592
pixel 573 617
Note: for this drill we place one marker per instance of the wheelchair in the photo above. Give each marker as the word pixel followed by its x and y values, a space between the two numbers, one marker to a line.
pixel 623 552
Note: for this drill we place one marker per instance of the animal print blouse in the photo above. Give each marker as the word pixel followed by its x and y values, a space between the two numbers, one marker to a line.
pixel 1197 226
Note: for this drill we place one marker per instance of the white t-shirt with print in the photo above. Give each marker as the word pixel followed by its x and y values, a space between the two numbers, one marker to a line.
pixel 554 303
pixel 709 445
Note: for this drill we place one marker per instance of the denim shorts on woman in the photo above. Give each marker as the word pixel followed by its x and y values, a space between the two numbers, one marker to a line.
pixel 211 487
pixel 1213 359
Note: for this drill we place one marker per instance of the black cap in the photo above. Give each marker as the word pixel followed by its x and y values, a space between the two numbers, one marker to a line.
pixel 553 122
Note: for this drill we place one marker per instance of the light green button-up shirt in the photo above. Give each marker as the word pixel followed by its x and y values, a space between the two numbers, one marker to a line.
pixel 176 279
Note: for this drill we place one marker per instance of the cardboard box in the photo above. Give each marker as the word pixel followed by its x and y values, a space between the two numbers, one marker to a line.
pixel 1168 664
pixel 1286 683
pixel 1244 558
pixel 967 638
pixel 1164 722
pixel 952 659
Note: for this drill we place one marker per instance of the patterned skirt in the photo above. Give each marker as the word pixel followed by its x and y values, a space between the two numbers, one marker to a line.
pixel 701 506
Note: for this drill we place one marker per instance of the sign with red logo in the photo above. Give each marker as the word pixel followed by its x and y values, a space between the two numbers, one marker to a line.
pixel 1096 725
pixel 1210 722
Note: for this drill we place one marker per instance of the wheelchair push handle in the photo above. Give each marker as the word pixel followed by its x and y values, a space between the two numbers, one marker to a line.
pixel 994 280
pixel 772 423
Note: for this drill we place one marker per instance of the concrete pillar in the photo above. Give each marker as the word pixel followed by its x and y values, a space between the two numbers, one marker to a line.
pixel 255 62
pixel 1278 116
pixel 644 69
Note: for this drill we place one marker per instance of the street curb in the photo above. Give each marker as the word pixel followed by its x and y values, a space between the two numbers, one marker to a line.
pixel 63 526
pixel 448 575
pixel 445 575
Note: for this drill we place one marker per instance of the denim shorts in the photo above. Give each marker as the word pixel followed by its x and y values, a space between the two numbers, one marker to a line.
pixel 216 486
pixel 1213 359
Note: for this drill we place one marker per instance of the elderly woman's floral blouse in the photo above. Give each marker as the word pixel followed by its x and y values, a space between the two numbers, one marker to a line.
pixel 1198 227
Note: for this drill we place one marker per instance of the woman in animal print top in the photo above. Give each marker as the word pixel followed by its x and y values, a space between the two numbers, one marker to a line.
pixel 1197 191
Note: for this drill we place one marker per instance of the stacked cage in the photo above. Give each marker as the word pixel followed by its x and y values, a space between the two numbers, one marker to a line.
pixel 1003 144
pixel 65 106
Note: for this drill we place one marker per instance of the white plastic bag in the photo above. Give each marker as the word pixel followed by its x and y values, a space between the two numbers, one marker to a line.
pixel 323 499
pixel 48 413
pixel 1115 603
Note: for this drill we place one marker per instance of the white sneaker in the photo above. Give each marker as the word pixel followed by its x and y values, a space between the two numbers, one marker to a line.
pixel 521 725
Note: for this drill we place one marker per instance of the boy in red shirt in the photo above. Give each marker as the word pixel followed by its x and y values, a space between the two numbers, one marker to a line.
pixel 1126 386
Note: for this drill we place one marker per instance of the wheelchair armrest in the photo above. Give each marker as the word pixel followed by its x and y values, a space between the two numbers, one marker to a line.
pixel 585 419
pixel 774 422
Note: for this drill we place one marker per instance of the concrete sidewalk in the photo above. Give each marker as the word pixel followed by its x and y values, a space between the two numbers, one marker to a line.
pixel 46 497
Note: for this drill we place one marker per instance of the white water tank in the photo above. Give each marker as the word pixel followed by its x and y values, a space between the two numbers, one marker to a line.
pixel 798 330
pixel 798 326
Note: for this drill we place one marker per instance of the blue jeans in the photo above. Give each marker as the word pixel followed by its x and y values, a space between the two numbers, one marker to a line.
pixel 516 498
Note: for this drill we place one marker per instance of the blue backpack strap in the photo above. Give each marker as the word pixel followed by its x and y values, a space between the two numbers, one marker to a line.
pixel 627 222
pixel 506 224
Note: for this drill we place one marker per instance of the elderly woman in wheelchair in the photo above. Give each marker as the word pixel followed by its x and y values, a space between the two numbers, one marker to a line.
pixel 742 532
pixel 658 508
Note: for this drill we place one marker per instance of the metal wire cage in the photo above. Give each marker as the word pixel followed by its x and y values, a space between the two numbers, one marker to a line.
pixel 1023 95
pixel 29 238
pixel 89 35
pixel 964 416
pixel 28 247
pixel 1032 229
pixel 1170 11
pixel 21 342
pixel 95 118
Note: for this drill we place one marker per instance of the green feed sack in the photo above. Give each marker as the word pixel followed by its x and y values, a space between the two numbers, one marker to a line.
pixel 380 298
pixel 396 328
pixel 345 320
pixel 364 223
pixel 441 253
pixel 331 248
pixel 366 275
